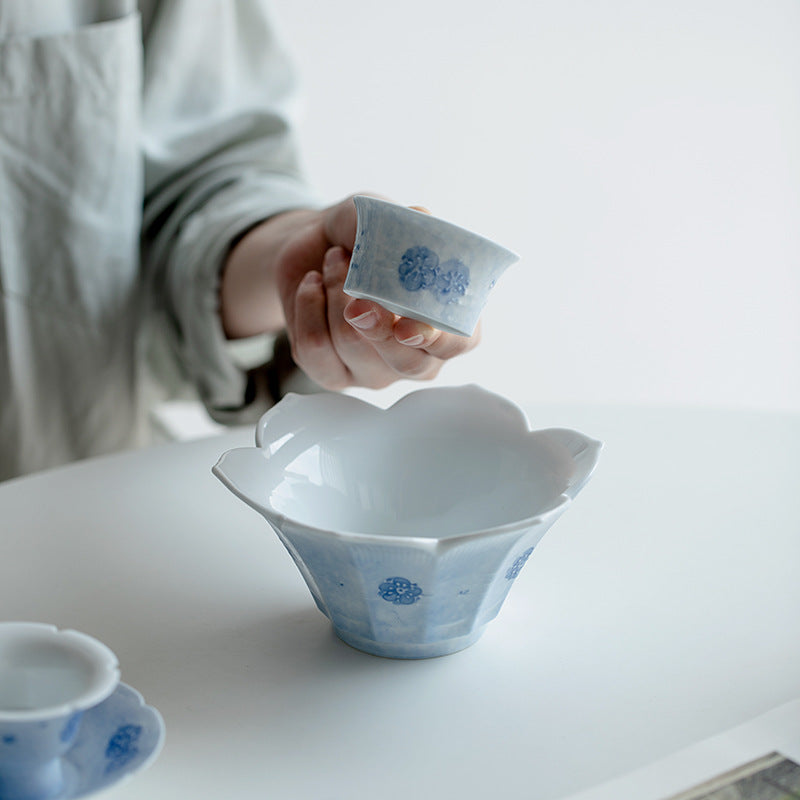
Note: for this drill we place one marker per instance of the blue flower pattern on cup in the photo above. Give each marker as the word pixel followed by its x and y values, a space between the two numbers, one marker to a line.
pixel 518 564
pixel 71 728
pixel 452 280
pixel 400 591
pixel 420 269
pixel 122 746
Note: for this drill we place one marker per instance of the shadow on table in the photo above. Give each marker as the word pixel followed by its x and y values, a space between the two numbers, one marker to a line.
pixel 274 671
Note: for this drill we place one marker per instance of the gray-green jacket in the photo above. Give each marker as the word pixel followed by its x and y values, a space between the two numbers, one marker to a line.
pixel 135 145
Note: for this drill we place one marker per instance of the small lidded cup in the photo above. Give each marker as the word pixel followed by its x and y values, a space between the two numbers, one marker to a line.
pixel 48 679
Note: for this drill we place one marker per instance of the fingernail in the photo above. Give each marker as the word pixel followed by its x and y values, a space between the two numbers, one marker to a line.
pixel 333 260
pixel 364 321
pixel 413 341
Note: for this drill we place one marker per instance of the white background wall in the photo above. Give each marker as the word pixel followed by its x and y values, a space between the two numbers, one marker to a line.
pixel 643 157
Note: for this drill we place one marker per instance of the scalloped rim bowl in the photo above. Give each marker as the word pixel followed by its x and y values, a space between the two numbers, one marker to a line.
pixel 408 524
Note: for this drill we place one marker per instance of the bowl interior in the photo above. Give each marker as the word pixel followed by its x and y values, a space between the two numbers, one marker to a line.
pixel 425 484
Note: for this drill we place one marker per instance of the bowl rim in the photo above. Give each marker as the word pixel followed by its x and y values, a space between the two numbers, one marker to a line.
pixel 585 459
pixel 277 519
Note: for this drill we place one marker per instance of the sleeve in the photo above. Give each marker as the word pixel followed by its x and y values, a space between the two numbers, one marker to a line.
pixel 219 157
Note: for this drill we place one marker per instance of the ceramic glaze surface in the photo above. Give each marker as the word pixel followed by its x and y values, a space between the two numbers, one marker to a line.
pixel 116 738
pixel 67 726
pixel 47 674
pixel 409 525
pixel 119 737
pixel 423 267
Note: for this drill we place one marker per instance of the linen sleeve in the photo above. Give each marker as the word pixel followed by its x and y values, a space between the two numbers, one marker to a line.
pixel 219 157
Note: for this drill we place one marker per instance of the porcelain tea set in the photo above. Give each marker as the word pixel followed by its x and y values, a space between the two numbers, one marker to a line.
pixel 408 524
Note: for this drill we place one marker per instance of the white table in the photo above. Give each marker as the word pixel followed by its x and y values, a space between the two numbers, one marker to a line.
pixel 662 608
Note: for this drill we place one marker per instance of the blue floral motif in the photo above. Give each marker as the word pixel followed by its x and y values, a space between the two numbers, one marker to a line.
pixel 400 591
pixel 517 566
pixel 452 280
pixel 418 268
pixel 9 738
pixel 122 746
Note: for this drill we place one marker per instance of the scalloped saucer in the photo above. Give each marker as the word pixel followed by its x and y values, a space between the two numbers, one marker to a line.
pixel 118 737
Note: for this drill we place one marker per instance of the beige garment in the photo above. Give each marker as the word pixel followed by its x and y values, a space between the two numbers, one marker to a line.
pixel 133 151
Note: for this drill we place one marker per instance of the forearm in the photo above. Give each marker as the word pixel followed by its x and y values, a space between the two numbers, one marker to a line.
pixel 250 301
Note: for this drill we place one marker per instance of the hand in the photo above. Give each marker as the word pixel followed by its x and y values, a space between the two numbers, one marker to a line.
pixel 336 340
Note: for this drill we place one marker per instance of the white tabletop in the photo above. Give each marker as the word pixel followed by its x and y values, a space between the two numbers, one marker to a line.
pixel 661 609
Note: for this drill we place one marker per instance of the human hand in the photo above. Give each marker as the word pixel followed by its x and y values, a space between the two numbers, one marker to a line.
pixel 339 341
pixel 336 340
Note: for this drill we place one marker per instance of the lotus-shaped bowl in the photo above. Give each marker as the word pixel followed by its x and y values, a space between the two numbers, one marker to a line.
pixel 409 524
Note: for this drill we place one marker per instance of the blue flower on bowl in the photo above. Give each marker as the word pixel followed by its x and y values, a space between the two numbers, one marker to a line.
pixel 519 563
pixel 400 591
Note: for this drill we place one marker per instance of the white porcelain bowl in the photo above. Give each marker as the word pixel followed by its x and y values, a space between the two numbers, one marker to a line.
pixel 423 267
pixel 408 524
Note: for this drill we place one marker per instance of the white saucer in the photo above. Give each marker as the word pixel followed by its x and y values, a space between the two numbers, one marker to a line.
pixel 116 738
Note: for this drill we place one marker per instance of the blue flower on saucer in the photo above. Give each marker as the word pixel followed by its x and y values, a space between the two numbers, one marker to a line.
pixel 122 746
pixel 400 591
pixel 418 268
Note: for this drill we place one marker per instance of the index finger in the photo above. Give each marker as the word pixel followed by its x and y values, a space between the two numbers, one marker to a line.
pixel 340 222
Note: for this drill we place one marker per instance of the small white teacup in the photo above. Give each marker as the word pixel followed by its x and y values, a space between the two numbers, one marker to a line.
pixel 423 267
pixel 48 678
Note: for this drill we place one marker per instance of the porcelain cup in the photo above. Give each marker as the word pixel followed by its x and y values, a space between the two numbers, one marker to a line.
pixel 48 679
pixel 423 267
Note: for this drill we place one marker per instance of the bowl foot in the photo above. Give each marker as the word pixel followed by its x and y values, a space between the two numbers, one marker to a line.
pixel 443 647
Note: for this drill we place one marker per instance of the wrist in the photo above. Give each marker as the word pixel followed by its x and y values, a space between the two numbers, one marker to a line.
pixel 249 300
